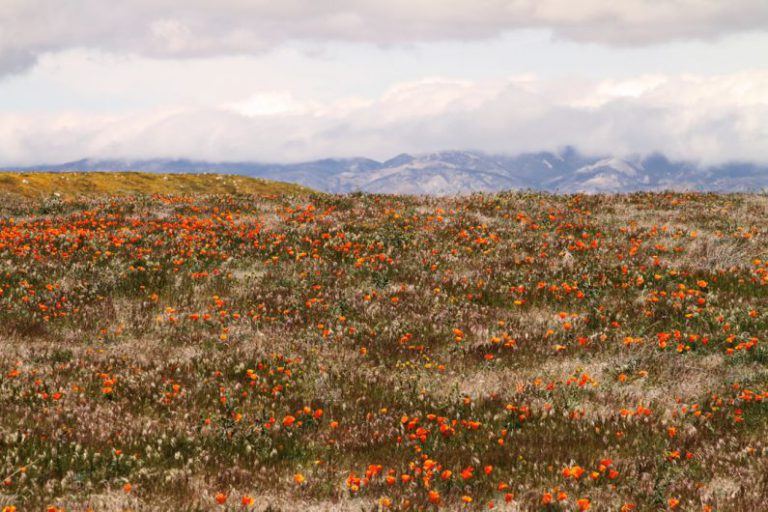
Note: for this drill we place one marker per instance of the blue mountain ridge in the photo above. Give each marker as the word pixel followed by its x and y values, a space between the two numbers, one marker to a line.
pixel 462 172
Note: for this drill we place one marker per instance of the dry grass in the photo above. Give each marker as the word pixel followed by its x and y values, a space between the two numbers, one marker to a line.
pixel 69 185
pixel 197 344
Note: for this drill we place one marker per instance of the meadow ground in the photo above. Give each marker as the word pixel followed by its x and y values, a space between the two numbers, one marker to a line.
pixel 300 351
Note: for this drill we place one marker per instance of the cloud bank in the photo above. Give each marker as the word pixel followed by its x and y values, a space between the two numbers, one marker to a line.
pixel 195 28
pixel 705 118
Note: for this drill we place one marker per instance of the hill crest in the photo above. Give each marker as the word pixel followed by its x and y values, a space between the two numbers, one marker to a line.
pixel 91 183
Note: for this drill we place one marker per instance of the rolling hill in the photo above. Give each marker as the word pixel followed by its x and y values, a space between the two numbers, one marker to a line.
pixel 74 184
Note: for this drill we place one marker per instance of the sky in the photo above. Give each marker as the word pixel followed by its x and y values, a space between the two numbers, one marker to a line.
pixel 293 80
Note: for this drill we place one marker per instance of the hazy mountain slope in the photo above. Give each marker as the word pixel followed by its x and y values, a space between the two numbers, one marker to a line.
pixel 462 172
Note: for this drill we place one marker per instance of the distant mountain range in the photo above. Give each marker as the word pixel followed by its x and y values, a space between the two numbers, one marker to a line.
pixel 461 172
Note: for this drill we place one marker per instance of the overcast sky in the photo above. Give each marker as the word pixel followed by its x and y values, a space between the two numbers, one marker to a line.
pixel 289 80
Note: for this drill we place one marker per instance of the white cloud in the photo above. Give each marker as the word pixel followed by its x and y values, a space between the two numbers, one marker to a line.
pixel 709 118
pixel 272 104
pixel 193 28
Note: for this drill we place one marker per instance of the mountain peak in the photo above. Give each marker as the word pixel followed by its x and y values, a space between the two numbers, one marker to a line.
pixel 401 159
pixel 461 172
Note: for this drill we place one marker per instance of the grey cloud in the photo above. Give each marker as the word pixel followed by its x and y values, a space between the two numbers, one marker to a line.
pixel 14 60
pixel 176 29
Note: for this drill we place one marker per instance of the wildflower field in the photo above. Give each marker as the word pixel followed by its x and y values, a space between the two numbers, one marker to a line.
pixel 297 351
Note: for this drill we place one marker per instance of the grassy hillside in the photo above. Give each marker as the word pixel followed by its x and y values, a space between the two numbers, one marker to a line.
pixel 364 353
pixel 79 184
